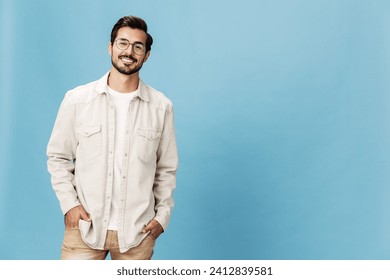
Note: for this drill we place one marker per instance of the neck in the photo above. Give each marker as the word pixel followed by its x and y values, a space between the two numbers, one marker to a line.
pixel 123 83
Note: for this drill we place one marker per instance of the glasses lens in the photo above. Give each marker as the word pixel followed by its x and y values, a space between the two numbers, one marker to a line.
pixel 138 48
pixel 122 44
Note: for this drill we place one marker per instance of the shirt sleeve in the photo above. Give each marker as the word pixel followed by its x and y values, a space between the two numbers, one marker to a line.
pixel 167 164
pixel 61 156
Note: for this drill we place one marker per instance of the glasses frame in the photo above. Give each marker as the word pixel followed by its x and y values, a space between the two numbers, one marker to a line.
pixel 130 44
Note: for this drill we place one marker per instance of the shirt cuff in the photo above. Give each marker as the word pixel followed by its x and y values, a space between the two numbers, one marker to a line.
pixel 163 222
pixel 66 206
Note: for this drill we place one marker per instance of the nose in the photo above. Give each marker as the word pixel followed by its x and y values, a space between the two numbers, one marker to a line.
pixel 127 51
pixel 130 48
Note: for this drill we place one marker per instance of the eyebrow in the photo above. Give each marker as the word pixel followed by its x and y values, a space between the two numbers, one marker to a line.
pixel 136 42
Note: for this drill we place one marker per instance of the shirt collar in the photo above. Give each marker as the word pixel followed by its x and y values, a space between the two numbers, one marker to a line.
pixel 102 87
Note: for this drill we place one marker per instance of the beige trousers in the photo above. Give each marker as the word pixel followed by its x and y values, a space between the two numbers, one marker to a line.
pixel 74 248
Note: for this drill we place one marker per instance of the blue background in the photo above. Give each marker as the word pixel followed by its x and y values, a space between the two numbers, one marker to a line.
pixel 281 108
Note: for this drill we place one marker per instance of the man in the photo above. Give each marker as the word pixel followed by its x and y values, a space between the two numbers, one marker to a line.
pixel 113 158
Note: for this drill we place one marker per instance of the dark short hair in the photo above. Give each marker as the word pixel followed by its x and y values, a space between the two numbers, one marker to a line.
pixel 135 23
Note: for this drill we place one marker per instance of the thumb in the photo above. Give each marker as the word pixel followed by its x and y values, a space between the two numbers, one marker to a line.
pixel 84 215
pixel 147 228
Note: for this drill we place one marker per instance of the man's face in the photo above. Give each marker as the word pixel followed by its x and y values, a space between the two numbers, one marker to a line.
pixel 127 61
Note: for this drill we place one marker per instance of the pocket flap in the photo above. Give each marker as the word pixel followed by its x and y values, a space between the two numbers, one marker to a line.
pixel 149 133
pixel 88 130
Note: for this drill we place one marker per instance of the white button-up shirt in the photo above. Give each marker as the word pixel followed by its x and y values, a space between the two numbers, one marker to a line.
pixel 81 161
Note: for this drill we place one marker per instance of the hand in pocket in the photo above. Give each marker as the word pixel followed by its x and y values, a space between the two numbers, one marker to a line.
pixel 73 216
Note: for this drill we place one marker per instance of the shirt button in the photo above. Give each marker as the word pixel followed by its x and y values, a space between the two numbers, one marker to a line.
pixel 125 155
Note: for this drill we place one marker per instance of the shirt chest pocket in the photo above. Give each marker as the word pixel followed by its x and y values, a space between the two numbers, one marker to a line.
pixel 148 141
pixel 90 141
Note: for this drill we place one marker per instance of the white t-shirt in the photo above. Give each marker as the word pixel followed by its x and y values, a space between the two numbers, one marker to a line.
pixel 121 103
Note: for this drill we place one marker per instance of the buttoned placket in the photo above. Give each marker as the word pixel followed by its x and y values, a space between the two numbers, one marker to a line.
pixel 125 163
pixel 110 169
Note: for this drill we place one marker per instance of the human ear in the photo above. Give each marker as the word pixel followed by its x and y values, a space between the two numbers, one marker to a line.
pixel 146 56
pixel 110 48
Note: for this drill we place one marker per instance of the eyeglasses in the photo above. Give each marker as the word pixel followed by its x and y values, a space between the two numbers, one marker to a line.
pixel 137 48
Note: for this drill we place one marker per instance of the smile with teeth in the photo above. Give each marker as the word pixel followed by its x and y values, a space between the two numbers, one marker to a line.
pixel 127 59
